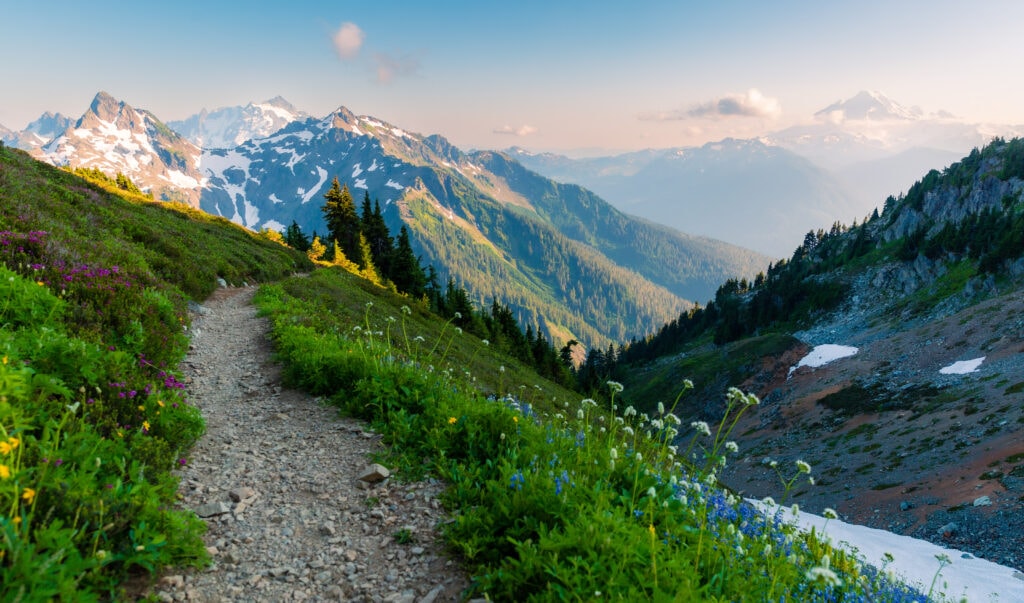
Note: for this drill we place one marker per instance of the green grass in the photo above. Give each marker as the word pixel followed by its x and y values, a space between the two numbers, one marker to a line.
pixel 552 498
pixel 93 416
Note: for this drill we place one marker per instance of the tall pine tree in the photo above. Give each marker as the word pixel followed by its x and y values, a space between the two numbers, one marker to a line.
pixel 378 237
pixel 406 272
pixel 342 222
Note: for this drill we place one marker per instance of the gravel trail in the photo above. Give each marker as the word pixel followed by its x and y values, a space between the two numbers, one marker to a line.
pixel 276 479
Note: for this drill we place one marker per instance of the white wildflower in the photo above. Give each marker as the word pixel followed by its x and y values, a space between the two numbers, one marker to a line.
pixel 701 427
pixel 732 447
pixel 824 575
pixel 615 386
pixel 829 513
pixel 803 467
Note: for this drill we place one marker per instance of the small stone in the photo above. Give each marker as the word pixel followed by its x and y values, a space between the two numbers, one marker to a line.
pixel 982 501
pixel 906 505
pixel 432 595
pixel 175 581
pixel 351 555
pixel 417 550
pixel 222 283
pixel 328 529
pixel 948 530
pixel 240 494
pixel 211 509
pixel 212 551
pixel 374 473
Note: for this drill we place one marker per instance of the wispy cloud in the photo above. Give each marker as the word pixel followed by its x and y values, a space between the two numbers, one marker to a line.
pixel 389 67
pixel 348 40
pixel 752 103
pixel 523 130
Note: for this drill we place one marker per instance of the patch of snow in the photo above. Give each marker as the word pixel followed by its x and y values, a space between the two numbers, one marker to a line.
pixel 273 198
pixel 181 180
pixel 372 122
pixel 252 213
pixel 962 367
pixel 360 183
pixel 357 131
pixel 823 354
pixel 398 132
pixel 356 170
pixel 309 194
pixel 914 561
pixel 373 166
pixel 274 225
pixel 394 185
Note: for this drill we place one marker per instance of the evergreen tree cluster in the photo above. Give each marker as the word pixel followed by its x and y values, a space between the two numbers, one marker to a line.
pixel 364 240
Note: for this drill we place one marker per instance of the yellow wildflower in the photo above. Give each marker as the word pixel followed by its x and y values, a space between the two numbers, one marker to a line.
pixel 142 408
pixel 5 359
pixel 17 520
pixel 28 495
pixel 41 283
pixel 5 448
pixel 5 472
pixel 515 419
pixel 452 420
pixel 160 403
pixel 145 425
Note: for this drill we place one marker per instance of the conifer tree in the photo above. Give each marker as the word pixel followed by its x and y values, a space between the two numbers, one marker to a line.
pixel 342 222
pixel 406 272
pixel 377 236
pixel 294 237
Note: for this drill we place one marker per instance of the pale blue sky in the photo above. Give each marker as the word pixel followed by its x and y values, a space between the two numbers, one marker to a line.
pixel 545 75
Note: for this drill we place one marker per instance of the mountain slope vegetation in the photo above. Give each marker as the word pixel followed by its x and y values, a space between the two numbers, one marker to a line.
pixel 93 323
pixel 93 418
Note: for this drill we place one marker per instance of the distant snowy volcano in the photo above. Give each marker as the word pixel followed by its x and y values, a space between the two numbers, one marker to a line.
pixel 229 127
pixel 869 105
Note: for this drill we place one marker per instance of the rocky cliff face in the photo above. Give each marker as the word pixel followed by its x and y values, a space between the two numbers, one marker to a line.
pixel 115 137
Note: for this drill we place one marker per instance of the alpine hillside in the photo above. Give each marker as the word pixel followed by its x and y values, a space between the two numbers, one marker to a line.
pixel 559 256
pixel 888 354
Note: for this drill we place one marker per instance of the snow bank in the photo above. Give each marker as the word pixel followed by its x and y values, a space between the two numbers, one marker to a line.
pixel 914 561
pixel 823 354
pixel 962 367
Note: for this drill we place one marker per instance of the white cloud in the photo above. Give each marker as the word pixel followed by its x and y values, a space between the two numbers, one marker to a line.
pixel 389 67
pixel 752 103
pixel 523 130
pixel 348 40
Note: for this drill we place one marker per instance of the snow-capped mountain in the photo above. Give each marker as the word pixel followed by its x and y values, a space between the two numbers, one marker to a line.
pixel 503 232
pixel 228 127
pixel 453 203
pixel 37 133
pixel 115 137
pixel 870 105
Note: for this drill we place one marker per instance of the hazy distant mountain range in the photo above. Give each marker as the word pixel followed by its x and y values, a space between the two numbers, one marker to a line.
pixel 766 193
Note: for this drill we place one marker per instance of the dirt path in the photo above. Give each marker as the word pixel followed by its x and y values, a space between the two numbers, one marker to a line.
pixel 275 477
